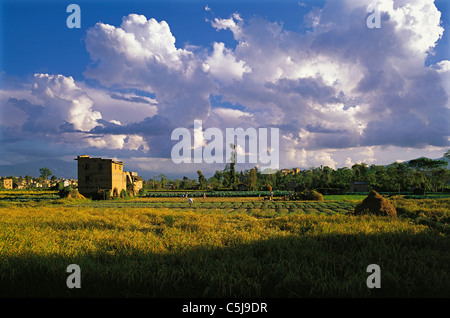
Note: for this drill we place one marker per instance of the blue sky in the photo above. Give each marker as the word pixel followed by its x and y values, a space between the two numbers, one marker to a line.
pixel 340 92
pixel 40 25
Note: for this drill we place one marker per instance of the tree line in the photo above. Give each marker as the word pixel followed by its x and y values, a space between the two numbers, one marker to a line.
pixel 421 173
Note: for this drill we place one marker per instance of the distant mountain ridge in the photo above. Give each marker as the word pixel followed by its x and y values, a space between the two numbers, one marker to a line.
pixel 445 159
pixel 60 168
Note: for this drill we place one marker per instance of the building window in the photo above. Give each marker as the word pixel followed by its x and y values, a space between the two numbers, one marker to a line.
pixel 86 166
pixel 87 179
pixel 100 166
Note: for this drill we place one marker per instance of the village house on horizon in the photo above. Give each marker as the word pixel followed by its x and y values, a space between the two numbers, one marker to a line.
pixel 98 176
pixel 7 183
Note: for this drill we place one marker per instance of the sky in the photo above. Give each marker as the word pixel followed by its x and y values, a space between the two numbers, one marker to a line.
pixel 339 91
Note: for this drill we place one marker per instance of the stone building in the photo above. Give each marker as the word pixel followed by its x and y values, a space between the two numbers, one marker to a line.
pixel 133 181
pixel 7 183
pixel 290 171
pixel 97 177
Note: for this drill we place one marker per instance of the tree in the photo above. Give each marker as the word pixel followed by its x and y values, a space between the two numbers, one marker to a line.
pixel 325 177
pixel 214 183
pixel 163 181
pixel 232 166
pixel 151 183
pixel 359 171
pixel 271 181
pixel 229 173
pixel 425 169
pixel 427 164
pixel 176 184
pixel 252 179
pixel 395 177
pixel 187 183
pixel 341 178
pixel 201 180
pixel 306 179
pixel 439 178
pixel 45 173
pixel 14 179
pixel 184 182
pixel 447 154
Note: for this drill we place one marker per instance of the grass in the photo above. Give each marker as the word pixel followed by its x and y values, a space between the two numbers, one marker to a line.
pixel 222 247
pixel 27 195
pixel 345 198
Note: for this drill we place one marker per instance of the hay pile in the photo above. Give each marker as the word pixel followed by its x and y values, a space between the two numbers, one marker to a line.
pixel 75 195
pixel 310 195
pixel 377 205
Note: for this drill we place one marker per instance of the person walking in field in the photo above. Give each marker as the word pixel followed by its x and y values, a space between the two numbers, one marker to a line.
pixel 204 195
pixel 190 201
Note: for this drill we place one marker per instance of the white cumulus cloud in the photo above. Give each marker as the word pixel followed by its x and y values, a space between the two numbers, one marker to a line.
pixel 222 64
pixel 64 101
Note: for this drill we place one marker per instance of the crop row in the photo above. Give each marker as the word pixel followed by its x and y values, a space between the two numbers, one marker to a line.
pixel 246 207
pixel 165 194
pixel 27 198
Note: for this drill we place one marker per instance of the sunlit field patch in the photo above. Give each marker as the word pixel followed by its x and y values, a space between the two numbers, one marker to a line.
pixel 222 247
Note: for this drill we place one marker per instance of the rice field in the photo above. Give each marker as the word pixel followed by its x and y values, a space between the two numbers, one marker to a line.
pixel 231 206
pixel 222 247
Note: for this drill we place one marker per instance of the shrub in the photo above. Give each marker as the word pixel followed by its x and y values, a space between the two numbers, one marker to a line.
pixel 124 194
pixel 66 191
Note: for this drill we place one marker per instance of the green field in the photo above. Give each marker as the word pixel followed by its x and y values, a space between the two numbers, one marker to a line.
pixel 221 247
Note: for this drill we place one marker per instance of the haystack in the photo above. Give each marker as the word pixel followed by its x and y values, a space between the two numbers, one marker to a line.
pixel 310 195
pixel 75 195
pixel 377 205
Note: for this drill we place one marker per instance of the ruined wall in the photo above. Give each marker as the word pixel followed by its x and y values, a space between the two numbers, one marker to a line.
pixel 118 182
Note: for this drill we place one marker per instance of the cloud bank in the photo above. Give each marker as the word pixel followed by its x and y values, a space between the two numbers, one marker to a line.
pixel 339 91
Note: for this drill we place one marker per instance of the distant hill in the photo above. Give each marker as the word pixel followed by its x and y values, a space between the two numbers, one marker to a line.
pixel 445 159
pixel 60 168
pixel 442 159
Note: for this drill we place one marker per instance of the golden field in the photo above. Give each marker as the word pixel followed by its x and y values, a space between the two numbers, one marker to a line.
pixel 222 247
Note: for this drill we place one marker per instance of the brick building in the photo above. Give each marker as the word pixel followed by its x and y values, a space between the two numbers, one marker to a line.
pixel 105 176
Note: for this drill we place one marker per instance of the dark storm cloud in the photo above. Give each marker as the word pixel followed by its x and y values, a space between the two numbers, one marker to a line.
pixel 133 99
pixel 150 126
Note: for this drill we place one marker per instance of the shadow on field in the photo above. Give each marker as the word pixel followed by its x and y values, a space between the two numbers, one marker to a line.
pixel 412 265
